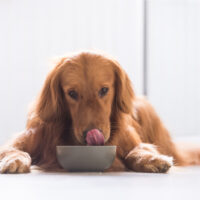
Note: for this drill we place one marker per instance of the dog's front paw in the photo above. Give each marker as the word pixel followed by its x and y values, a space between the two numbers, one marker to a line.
pixel 158 164
pixel 145 158
pixel 14 161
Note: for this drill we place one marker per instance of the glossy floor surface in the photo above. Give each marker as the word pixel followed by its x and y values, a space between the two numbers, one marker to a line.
pixel 179 183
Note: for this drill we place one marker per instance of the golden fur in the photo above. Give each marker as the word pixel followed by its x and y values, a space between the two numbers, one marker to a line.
pixel 130 123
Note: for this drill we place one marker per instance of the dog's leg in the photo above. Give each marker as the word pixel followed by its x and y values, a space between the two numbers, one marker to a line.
pixel 153 131
pixel 145 158
pixel 138 156
pixel 13 159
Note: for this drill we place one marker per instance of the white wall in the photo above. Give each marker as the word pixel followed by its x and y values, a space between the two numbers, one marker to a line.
pixel 174 63
pixel 31 32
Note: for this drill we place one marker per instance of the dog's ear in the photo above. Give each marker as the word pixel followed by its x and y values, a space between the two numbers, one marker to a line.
pixel 124 94
pixel 51 104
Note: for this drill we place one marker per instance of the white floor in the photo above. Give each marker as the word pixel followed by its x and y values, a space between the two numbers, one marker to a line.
pixel 179 183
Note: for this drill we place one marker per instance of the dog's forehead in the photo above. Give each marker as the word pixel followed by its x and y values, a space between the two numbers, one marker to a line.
pixel 93 72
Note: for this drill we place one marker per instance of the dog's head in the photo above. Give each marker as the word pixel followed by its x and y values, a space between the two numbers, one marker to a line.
pixel 87 89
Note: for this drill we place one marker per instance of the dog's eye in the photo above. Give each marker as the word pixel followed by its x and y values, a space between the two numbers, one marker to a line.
pixel 103 91
pixel 73 94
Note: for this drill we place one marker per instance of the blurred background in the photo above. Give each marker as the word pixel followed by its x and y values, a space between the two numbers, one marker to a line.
pixel 156 41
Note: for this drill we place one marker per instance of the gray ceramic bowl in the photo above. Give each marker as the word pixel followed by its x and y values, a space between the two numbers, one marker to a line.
pixel 86 158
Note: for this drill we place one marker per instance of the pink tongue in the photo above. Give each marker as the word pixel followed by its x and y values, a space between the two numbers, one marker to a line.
pixel 94 137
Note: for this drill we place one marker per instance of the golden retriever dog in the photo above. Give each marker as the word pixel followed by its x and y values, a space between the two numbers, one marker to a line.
pixel 87 99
